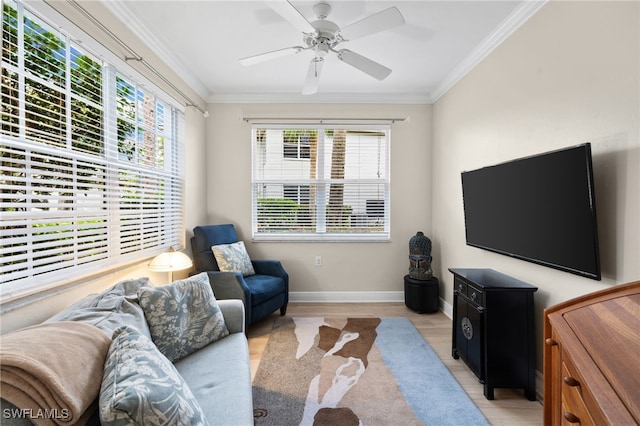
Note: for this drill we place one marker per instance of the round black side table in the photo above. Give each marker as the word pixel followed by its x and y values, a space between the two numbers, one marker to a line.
pixel 423 296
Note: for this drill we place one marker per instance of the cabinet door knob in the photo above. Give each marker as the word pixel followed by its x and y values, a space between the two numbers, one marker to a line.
pixel 571 418
pixel 570 381
pixel 551 342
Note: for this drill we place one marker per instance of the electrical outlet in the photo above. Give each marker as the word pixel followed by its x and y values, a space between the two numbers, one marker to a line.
pixel 318 261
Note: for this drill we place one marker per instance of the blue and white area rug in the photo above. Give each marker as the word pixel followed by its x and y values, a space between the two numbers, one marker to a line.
pixel 356 371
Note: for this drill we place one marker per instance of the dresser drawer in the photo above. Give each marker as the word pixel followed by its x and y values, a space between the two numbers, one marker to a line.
pixel 574 410
pixel 468 290
pixel 460 286
pixel 475 294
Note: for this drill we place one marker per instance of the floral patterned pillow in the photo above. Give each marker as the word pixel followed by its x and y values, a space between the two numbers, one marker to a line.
pixel 182 317
pixel 140 386
pixel 233 258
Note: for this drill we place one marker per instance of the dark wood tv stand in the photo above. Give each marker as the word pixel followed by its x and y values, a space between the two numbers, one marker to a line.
pixel 493 329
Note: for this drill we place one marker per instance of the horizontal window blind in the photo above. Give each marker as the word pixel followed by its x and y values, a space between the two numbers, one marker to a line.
pixel 321 183
pixel 91 161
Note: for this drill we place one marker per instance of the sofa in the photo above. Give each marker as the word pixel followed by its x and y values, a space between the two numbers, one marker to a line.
pixel 133 354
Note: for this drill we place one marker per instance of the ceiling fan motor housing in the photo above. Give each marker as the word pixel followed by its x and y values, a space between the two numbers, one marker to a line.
pixel 326 38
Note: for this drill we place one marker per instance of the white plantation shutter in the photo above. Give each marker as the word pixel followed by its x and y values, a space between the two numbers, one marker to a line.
pixel 45 227
pixel 91 161
pixel 321 182
pixel 148 175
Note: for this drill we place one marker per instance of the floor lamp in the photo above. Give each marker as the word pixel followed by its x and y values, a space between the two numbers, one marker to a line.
pixel 170 261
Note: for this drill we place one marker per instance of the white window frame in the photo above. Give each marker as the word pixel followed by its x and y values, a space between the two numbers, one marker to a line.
pixel 371 232
pixel 107 228
pixel 300 146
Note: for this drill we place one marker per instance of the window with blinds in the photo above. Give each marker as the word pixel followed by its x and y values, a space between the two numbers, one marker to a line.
pixel 321 183
pixel 90 161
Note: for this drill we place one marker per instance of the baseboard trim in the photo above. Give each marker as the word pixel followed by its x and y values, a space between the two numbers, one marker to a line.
pixel 357 297
pixel 346 296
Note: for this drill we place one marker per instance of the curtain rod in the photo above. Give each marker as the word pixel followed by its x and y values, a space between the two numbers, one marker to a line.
pixel 319 120
pixel 136 57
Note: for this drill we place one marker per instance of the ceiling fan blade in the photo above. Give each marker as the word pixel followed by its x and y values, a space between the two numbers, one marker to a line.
pixel 262 57
pixel 291 14
pixel 313 76
pixel 366 65
pixel 381 21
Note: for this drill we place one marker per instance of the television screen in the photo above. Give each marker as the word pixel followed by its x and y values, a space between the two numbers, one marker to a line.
pixel 539 208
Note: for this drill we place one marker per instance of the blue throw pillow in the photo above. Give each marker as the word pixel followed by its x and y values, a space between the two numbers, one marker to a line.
pixel 140 386
pixel 182 317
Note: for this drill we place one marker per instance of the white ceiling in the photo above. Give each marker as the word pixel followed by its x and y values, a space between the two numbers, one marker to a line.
pixel 439 42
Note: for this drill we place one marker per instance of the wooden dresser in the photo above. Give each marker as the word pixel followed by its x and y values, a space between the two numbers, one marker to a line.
pixel 592 359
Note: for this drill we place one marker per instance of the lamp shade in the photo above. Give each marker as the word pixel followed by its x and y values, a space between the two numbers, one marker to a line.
pixel 170 261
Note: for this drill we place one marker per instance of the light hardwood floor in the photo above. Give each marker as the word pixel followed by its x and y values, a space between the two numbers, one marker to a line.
pixel 509 407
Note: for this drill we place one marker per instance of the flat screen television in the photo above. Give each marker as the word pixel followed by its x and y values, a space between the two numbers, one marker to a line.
pixel 540 209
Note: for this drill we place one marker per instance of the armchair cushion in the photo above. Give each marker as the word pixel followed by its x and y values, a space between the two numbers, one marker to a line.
pixel 264 287
pixel 233 258
pixel 206 236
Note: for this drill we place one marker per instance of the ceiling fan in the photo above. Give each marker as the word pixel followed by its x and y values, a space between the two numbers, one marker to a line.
pixel 322 36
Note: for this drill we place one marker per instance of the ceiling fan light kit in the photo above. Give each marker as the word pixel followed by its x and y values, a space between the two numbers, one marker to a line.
pixel 322 36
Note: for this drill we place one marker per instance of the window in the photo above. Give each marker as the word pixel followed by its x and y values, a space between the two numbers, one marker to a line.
pixel 297 143
pixel 91 174
pixel 335 187
pixel 297 193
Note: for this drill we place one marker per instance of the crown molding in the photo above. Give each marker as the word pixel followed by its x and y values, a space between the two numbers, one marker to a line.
pixel 123 13
pixel 519 16
pixel 320 98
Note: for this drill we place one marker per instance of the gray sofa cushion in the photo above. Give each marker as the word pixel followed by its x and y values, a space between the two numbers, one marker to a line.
pixel 110 309
pixel 183 316
pixel 141 387
pixel 219 375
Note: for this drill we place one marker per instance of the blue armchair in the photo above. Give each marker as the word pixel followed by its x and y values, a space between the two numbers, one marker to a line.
pixel 262 293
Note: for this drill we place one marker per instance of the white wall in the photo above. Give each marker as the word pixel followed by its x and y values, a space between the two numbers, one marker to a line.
pixel 569 75
pixel 346 267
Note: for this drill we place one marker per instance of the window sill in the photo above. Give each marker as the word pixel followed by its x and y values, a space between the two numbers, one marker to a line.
pixel 321 238
pixel 11 301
